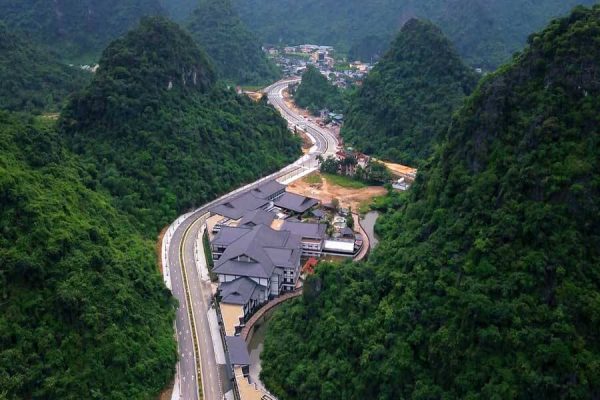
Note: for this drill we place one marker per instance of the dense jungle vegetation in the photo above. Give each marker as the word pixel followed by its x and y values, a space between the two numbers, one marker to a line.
pixel 408 98
pixel 486 33
pixel 486 283
pixel 162 135
pixel 31 78
pixel 84 313
pixel 83 310
pixel 234 50
pixel 315 93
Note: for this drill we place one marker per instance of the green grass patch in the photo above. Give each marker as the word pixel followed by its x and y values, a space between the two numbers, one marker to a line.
pixel 364 207
pixel 376 203
pixel 313 179
pixel 379 202
pixel 344 181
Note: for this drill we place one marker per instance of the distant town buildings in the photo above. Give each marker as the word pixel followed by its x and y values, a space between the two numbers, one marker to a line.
pixel 294 59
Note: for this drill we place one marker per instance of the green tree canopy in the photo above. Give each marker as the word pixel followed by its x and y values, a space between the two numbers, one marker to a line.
pixel 161 135
pixel 407 100
pixel 315 92
pixel 76 29
pixel 33 79
pixel 486 33
pixel 486 283
pixel 235 51
pixel 84 313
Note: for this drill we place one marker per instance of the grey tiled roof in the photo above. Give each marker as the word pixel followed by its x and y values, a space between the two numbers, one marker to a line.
pixel 239 291
pixel 238 206
pixel 319 213
pixel 268 189
pixel 251 200
pixel 238 352
pixel 228 235
pixel 305 230
pixel 254 269
pixel 295 202
pixel 266 249
pixel 257 217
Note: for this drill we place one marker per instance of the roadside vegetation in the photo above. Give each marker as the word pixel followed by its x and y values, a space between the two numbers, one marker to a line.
pixel 316 93
pixel 83 311
pixel 314 179
pixel 348 170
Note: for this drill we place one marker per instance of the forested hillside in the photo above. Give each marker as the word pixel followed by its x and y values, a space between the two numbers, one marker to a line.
pixel 161 135
pixel 83 311
pixel 315 92
pixel 407 100
pixel 486 283
pixel 33 79
pixel 77 29
pixel 236 52
pixel 486 33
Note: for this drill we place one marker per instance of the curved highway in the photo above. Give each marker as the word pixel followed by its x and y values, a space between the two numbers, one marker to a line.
pixel 326 143
pixel 200 376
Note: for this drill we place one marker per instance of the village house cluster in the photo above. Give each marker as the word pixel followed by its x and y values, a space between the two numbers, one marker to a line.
pixel 293 60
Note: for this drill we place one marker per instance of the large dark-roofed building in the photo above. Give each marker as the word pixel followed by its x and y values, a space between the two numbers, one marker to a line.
pixel 257 217
pixel 270 190
pixel 296 203
pixel 254 199
pixel 239 291
pixel 242 292
pixel 226 236
pixel 270 258
pixel 305 229
pixel 312 234
pixel 237 207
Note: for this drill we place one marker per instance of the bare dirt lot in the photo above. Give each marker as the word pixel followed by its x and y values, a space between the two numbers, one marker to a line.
pixel 401 170
pixel 325 191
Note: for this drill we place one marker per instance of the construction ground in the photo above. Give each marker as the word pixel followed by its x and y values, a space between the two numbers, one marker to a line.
pixel 326 192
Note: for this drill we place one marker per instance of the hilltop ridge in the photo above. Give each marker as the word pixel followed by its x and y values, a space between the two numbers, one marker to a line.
pixel 407 100
pixel 163 134
pixel 235 51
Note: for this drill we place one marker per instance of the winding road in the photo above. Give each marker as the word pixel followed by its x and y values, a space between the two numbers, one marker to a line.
pixel 199 374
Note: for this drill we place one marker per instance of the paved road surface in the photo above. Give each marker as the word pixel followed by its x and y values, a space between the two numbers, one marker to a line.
pixel 181 263
pixel 326 142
